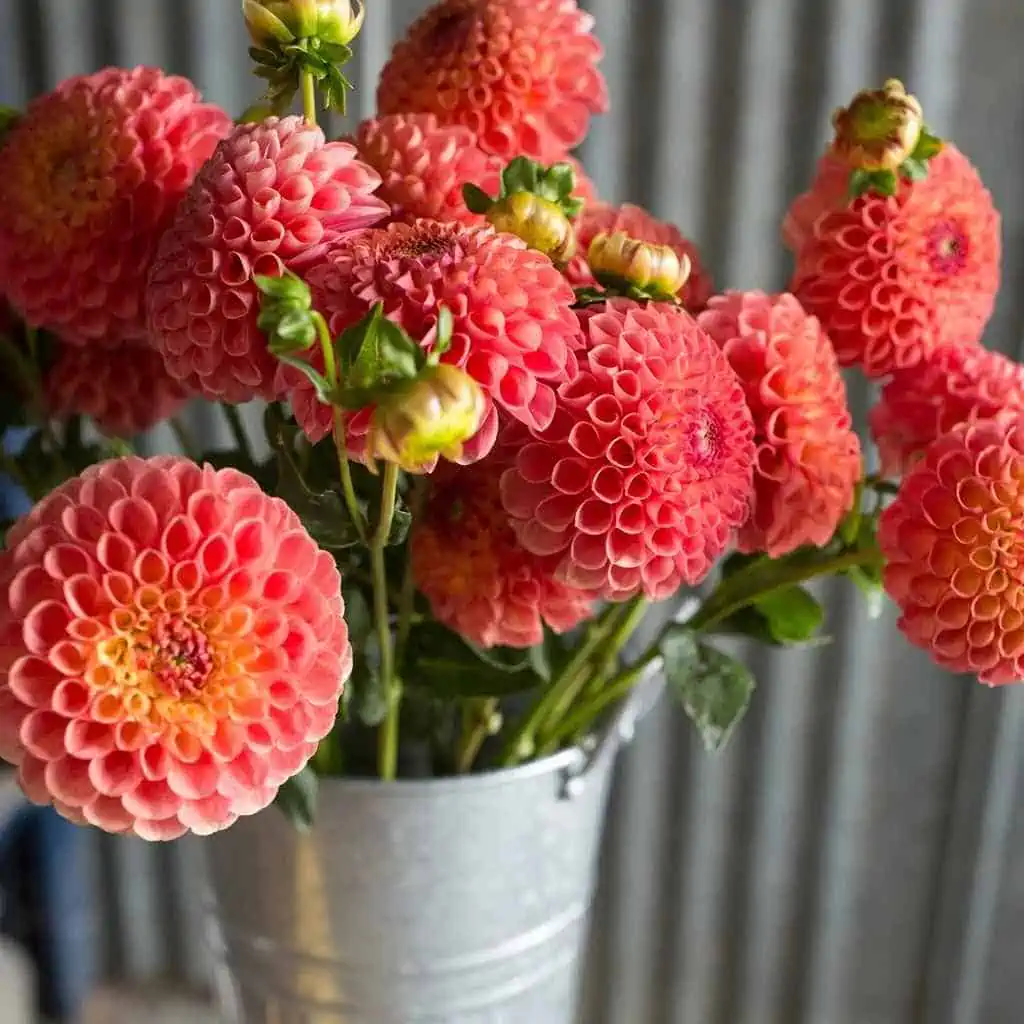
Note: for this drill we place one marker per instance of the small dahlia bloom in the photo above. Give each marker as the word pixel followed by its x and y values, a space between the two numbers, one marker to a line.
pixel 634 221
pixel 808 456
pixel 892 278
pixel 172 647
pixel 90 177
pixel 124 391
pixel 514 329
pixel 479 580
pixel 423 165
pixel 521 75
pixel 647 469
pixel 953 385
pixel 274 196
pixel 953 540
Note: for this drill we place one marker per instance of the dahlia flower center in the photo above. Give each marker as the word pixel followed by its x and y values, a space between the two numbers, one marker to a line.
pixel 947 247
pixel 426 249
pixel 703 439
pixel 177 654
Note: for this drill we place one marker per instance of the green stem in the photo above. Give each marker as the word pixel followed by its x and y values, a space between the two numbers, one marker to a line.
pixel 616 688
pixel 522 743
pixel 184 438
pixel 238 432
pixel 476 727
pixel 388 740
pixel 407 595
pixel 625 623
pixel 348 490
pixel 308 95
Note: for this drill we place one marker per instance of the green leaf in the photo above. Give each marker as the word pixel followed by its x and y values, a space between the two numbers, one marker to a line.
pixel 296 799
pixel 714 688
pixel 288 288
pixel 914 169
pixel 928 145
pixel 293 332
pixel 572 207
pixel 266 58
pixel 521 175
pixel 885 183
pixel 323 513
pixel 860 182
pixel 323 390
pixel 476 199
pixel 557 182
pixel 793 614
pixel 447 666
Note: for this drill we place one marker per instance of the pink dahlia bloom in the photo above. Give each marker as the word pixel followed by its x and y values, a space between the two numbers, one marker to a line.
pixel 172 647
pixel 808 456
pixel 424 164
pixel 953 385
pixel 954 548
pixel 90 178
pixel 479 580
pixel 892 278
pixel 274 196
pixel 124 391
pixel 647 468
pixel 514 329
pixel 521 75
pixel 598 218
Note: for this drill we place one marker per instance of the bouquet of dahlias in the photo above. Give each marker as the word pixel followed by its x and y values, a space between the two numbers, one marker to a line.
pixel 503 419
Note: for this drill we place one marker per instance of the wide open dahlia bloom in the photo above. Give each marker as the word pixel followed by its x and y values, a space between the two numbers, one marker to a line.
pixel 953 385
pixel 520 74
pixel 274 196
pixel 125 391
pixel 808 456
pixel 514 328
pixel 647 469
pixel 892 278
pixel 953 540
pixel 172 647
pixel 90 178
pixel 635 221
pixel 479 580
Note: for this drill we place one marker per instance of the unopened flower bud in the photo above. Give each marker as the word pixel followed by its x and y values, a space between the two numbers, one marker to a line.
pixel 655 269
pixel 339 21
pixel 431 416
pixel 879 129
pixel 540 223
pixel 270 22
pixel 273 22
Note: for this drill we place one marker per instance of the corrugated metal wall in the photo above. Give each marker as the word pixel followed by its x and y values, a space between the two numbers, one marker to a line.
pixel 850 860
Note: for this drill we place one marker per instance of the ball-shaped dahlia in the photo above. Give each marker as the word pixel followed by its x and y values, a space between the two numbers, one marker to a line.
pixel 520 74
pixel 953 540
pixel 635 221
pixel 514 329
pixel 647 469
pixel 954 385
pixel 125 391
pixel 892 278
pixel 90 178
pixel 424 164
pixel 272 197
pixel 808 456
pixel 479 580
pixel 172 647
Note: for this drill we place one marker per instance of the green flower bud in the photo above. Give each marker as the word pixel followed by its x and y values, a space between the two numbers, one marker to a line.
pixel 539 222
pixel 269 23
pixel 431 416
pixel 657 270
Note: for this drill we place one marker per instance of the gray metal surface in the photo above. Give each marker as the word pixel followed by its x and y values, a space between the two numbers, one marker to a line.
pixel 853 858
pixel 424 902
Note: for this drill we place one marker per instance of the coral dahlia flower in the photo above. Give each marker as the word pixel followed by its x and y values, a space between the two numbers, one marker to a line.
pixel 520 74
pixel 479 580
pixel 635 221
pixel 646 470
pixel 273 196
pixel 953 385
pixel 424 164
pixel 808 456
pixel 954 543
pixel 172 647
pixel 90 178
pixel 514 329
pixel 124 391
pixel 892 278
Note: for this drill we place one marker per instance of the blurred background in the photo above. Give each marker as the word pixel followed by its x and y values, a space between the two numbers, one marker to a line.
pixel 850 858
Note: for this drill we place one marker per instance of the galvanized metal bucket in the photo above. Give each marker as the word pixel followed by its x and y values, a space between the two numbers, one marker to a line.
pixel 449 901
